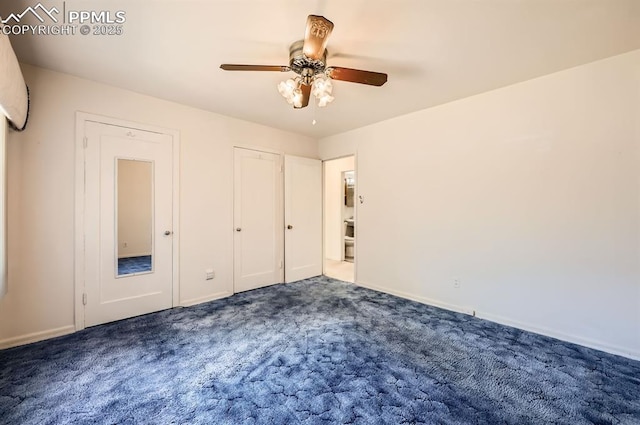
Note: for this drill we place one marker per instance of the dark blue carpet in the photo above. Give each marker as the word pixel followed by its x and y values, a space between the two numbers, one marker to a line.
pixel 313 352
pixel 131 265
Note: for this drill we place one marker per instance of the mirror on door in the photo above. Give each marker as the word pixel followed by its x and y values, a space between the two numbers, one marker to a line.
pixel 134 215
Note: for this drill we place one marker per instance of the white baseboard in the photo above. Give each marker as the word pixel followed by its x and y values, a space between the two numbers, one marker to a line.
pixel 586 342
pixel 412 297
pixel 36 337
pixel 598 345
pixel 65 330
pixel 207 298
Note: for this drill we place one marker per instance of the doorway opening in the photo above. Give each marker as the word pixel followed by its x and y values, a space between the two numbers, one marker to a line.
pixel 340 218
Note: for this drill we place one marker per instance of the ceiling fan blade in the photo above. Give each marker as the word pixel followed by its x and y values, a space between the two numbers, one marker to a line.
pixel 316 36
pixel 232 67
pixel 306 94
pixel 357 76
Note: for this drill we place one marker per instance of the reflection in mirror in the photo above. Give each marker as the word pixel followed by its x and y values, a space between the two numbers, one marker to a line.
pixel 134 216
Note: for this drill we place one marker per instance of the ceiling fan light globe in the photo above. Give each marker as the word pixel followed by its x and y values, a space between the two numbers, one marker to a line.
pixel 288 90
pixel 283 89
pixel 322 85
pixel 319 91
pixel 328 85
pixel 324 100
pixel 296 98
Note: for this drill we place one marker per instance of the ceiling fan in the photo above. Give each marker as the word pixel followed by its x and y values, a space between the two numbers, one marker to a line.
pixel 308 59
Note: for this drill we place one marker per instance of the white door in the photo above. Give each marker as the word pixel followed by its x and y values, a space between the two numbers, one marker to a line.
pixel 303 218
pixel 257 218
pixel 128 221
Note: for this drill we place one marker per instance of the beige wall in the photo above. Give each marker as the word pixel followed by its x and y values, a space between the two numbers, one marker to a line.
pixel 528 195
pixel 135 210
pixel 41 180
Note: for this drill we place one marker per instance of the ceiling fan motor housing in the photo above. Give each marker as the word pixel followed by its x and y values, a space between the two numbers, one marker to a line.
pixel 302 65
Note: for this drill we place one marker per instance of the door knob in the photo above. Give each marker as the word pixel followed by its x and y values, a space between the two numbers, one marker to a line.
pixel 289 227
pixel 238 229
pixel 167 232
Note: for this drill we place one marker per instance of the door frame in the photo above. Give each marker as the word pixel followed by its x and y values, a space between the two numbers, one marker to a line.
pixel 355 210
pixel 79 234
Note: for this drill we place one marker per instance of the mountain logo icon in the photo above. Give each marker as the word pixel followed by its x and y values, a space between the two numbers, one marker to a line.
pixel 39 11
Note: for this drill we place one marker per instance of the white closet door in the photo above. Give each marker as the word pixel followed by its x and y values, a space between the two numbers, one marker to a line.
pixel 303 218
pixel 258 235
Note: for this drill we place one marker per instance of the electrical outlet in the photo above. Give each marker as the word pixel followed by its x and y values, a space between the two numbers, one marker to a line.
pixel 209 274
pixel 456 283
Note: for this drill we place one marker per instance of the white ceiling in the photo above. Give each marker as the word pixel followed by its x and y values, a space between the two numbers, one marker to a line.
pixel 434 51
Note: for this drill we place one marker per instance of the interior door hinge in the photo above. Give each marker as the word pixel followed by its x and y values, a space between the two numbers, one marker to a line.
pixel 280 263
pixel 84 299
pixel 281 168
pixel 85 142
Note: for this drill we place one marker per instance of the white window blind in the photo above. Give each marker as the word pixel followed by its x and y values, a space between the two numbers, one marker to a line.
pixel 14 99
pixel 14 105
pixel 3 208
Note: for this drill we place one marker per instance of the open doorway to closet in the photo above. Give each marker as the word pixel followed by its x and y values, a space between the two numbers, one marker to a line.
pixel 340 218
